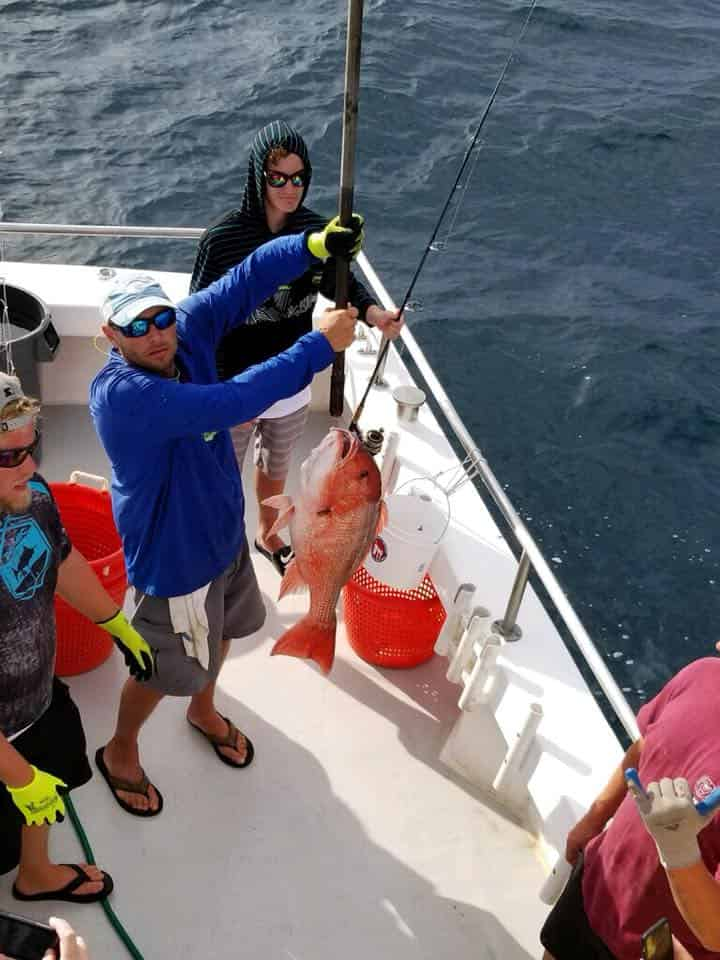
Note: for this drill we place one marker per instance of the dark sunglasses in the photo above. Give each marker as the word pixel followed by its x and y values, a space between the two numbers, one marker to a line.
pixel 140 326
pixel 277 179
pixel 18 455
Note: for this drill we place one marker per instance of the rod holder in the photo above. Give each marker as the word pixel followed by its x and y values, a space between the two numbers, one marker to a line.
pixel 380 380
pixel 477 629
pixel 387 467
pixel 555 881
pixel 459 614
pixel 475 682
pixel 509 775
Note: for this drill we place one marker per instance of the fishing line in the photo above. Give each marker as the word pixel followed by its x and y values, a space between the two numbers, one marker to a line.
pixel 6 358
pixel 429 246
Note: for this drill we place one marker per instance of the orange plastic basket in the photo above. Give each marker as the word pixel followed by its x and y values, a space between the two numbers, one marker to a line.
pixel 389 627
pixel 87 517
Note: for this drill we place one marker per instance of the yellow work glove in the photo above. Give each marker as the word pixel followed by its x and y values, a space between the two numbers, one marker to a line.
pixel 39 801
pixel 336 241
pixel 138 655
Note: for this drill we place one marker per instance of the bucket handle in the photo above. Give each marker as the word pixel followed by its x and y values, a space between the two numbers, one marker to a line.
pixel 79 476
pixel 442 490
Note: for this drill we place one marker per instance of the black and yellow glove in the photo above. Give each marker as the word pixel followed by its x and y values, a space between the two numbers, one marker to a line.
pixel 336 241
pixel 136 651
pixel 39 801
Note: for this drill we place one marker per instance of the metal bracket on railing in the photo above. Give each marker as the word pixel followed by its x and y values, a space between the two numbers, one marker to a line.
pixel 478 682
pixel 458 615
pixel 508 627
pixel 511 777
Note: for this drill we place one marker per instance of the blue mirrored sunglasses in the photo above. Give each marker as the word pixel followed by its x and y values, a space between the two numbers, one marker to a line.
pixel 140 325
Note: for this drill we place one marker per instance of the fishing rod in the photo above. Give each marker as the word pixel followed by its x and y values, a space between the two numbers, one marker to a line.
pixel 429 246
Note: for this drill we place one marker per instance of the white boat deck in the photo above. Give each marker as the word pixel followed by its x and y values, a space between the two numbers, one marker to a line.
pixel 347 837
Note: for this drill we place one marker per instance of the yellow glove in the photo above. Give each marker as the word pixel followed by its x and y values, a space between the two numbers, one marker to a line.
pixel 39 801
pixel 337 241
pixel 138 655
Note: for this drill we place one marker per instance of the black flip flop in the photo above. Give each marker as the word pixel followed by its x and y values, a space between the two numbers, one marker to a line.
pixel 228 739
pixel 278 558
pixel 66 892
pixel 141 786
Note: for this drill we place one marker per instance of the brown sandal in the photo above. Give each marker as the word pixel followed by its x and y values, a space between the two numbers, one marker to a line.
pixel 228 739
pixel 141 786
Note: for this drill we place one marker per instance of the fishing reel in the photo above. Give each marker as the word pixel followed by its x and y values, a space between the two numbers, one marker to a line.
pixel 372 440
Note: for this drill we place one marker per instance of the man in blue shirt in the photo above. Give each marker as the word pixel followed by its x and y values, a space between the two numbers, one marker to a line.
pixel 163 419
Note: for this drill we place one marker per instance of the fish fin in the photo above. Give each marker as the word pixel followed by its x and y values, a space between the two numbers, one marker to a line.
pixel 283 519
pixel 292 581
pixel 309 640
pixel 382 517
pixel 280 502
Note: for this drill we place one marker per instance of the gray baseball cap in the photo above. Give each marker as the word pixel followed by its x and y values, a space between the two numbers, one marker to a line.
pixel 128 298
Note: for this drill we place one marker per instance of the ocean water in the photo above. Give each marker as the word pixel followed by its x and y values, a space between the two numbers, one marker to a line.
pixel 573 312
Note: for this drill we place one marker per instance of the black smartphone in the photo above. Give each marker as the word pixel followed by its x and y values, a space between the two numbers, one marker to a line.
pixel 23 939
pixel 657 942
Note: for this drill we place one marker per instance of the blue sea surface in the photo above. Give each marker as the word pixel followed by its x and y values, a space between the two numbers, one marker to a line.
pixel 573 312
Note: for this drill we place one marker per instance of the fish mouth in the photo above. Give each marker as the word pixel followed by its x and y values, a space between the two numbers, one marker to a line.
pixel 346 445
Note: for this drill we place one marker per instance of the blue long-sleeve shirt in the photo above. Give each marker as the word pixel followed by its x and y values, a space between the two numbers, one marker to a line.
pixel 176 491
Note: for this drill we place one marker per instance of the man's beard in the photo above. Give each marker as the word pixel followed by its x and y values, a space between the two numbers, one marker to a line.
pixel 19 504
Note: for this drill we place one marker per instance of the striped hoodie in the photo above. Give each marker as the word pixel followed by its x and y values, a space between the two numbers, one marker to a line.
pixel 287 314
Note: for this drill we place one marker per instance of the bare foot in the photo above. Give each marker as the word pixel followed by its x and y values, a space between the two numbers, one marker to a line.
pixel 54 876
pixel 126 765
pixel 218 727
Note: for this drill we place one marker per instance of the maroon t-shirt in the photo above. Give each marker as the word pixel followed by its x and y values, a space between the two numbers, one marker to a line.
pixel 625 890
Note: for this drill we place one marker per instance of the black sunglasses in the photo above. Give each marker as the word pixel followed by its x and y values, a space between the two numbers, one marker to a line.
pixel 18 455
pixel 277 179
pixel 140 325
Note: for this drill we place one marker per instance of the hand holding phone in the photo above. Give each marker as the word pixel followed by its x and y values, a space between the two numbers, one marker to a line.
pixel 657 941
pixel 23 939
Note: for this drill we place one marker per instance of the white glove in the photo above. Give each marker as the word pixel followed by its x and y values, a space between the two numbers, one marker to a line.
pixel 671 817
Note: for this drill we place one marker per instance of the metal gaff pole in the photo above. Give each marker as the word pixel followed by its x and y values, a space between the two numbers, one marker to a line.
pixel 347 183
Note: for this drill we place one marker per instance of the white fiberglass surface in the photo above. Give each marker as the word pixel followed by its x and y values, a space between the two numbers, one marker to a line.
pixel 346 837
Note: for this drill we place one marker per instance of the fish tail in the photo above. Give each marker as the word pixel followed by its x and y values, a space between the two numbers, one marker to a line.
pixel 309 640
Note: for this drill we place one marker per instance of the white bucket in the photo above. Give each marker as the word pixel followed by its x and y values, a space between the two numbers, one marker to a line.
pixel 405 547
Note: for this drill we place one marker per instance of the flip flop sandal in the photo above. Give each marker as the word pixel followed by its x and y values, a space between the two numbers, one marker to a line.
pixel 228 739
pixel 141 786
pixel 68 891
pixel 278 558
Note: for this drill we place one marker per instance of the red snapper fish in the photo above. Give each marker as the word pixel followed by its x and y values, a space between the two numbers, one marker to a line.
pixel 333 521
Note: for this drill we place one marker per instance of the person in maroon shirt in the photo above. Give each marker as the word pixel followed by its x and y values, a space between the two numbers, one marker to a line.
pixel 658 856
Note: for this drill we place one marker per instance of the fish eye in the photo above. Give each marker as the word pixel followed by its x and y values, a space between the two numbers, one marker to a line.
pixel 365 473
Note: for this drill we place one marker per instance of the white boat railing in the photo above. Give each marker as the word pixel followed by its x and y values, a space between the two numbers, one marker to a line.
pixel 531 556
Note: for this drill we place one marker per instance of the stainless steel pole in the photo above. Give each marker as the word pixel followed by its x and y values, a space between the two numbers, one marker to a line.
pixel 347 182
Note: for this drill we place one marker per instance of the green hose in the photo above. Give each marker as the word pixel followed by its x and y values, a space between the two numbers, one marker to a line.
pixel 90 857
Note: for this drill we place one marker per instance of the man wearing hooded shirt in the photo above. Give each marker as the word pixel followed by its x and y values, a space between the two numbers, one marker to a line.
pixel 278 180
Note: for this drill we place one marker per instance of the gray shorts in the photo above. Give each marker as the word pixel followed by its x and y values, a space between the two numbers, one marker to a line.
pixel 274 441
pixel 234 609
